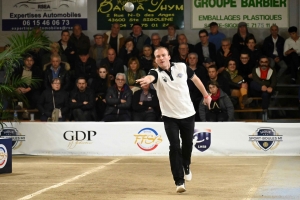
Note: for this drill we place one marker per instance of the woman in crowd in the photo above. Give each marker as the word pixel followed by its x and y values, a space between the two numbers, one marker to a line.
pixel 128 51
pixel 133 73
pixel 221 108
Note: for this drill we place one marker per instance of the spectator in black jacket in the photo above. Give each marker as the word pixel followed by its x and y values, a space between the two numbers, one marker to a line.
pixel 79 39
pixel 53 97
pixel 204 48
pixel 245 67
pixel 182 40
pixel 57 69
pixel 239 39
pixel 113 64
pixel 170 40
pixel 67 48
pixel 273 48
pixel 85 66
pixel 254 53
pixel 225 53
pixel 118 99
pixel 29 71
pixel 214 76
pixel 145 105
pixel 183 54
pixel 146 59
pixel 82 101
pixel 128 51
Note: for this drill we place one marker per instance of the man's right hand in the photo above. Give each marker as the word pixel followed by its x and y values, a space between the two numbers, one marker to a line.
pixel 123 101
pixel 264 88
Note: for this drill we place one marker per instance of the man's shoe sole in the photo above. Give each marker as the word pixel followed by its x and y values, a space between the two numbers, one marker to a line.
pixel 180 189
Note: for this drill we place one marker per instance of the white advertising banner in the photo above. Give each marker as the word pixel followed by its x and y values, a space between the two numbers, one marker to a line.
pixel 50 15
pixel 143 138
pixel 228 13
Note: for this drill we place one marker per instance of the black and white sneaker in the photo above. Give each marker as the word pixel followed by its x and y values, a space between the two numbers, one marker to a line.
pixel 187 173
pixel 180 188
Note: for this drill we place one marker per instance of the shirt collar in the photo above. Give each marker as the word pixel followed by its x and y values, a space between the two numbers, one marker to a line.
pixel 171 65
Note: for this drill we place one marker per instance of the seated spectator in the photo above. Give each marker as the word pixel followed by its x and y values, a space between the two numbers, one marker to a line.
pixel 145 105
pixel 32 88
pixel 273 48
pixel 100 84
pixel 221 108
pixel 79 39
pixel 114 38
pixel 113 64
pixel 215 36
pixel 195 93
pixel 292 52
pixel 155 42
pixel 183 54
pixel 204 48
pixel 54 50
pixel 67 48
pixel 224 54
pixel 264 81
pixel 170 40
pixel 99 50
pixel 128 51
pixel 237 84
pixel 214 76
pixel 146 59
pixel 57 69
pixel 245 67
pixel 182 40
pixel 53 97
pixel 82 101
pixel 133 73
pixel 253 52
pixel 203 68
pixel 239 39
pixel 139 38
pixel 85 66
pixel 118 100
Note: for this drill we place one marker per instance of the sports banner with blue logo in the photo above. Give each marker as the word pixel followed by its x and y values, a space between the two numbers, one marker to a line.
pixel 50 15
pixel 149 138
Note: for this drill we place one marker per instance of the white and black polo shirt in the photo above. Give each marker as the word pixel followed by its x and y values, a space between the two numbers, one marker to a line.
pixel 172 90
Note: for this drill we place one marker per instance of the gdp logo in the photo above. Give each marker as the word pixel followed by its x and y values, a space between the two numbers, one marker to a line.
pixel 147 139
pixel 79 138
pixel 265 139
pixel 202 140
pixel 3 156
pixel 14 134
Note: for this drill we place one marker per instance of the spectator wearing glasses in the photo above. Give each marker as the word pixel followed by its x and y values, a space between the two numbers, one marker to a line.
pixel 204 48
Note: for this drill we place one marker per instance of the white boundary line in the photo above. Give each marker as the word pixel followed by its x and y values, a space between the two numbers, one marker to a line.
pixel 254 188
pixel 69 180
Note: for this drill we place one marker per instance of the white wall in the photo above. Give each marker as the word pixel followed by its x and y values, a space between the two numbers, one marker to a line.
pixel 192 35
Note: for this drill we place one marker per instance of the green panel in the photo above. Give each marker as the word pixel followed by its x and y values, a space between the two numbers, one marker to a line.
pixel 152 14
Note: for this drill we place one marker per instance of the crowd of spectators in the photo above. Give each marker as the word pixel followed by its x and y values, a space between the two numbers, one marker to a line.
pixel 97 82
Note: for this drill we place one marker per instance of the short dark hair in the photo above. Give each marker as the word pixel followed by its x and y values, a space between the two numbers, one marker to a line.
pixel 251 37
pixel 27 55
pixel 213 66
pixel 292 29
pixel 80 78
pixel 213 82
pixel 213 24
pixel 55 79
pixel 203 31
pixel 65 31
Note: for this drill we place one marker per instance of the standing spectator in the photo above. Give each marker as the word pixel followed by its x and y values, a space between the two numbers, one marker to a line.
pixel 99 50
pixel 146 59
pixel 133 73
pixel 292 52
pixel 170 40
pixel 85 66
pixel 67 48
pixel 215 36
pixel 273 48
pixel 118 100
pixel 183 54
pixel 29 71
pixel 79 39
pixel 100 85
pixel 204 48
pixel 182 40
pixel 128 51
pixel 114 64
pixel 57 69
pixel 114 38
pixel 139 38
pixel 239 39
pixel 221 108
pixel 82 101
pixel 264 81
pixel 225 53
pixel 237 84
pixel 53 97
pixel 145 104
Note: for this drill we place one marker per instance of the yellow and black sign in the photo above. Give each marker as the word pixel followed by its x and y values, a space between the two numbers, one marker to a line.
pixel 151 14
